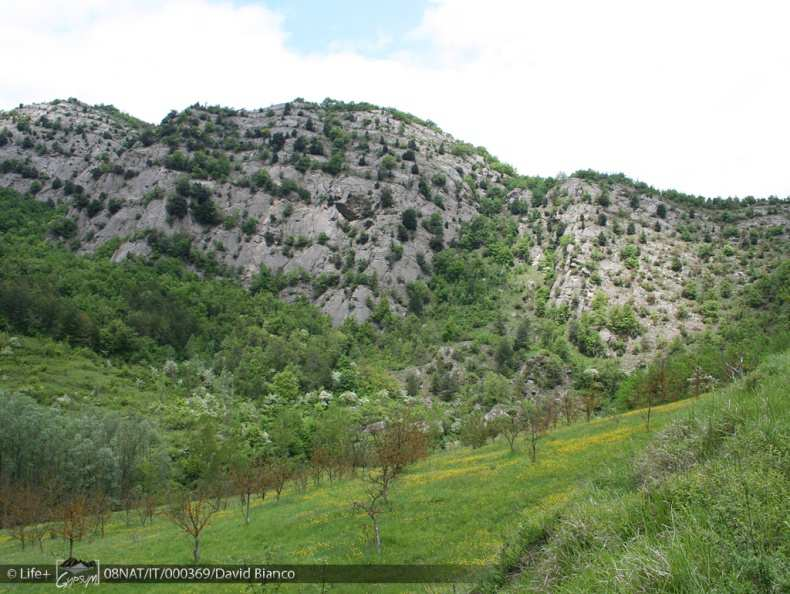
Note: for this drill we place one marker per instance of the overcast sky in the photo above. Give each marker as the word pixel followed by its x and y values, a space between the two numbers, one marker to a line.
pixel 693 95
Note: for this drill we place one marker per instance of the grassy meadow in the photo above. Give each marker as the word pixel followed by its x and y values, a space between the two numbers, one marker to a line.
pixel 457 506
pixel 704 508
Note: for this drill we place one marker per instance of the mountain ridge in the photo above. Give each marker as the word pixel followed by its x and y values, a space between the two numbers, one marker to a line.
pixel 349 204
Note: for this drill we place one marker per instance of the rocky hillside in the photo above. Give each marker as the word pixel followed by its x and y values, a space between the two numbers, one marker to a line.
pixel 348 203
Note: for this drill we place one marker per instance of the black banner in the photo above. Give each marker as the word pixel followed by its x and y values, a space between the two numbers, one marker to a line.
pixel 93 572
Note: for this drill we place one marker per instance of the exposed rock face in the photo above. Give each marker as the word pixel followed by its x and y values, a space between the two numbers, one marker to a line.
pixel 313 215
pixel 322 194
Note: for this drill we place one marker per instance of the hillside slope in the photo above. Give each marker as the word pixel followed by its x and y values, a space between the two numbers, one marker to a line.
pixel 704 508
pixel 454 507
pixel 348 204
pixel 696 504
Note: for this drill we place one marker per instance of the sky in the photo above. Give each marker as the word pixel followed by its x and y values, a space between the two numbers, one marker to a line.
pixel 692 95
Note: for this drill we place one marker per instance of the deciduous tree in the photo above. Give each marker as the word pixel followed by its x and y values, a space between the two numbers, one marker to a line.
pixel 535 419
pixel 569 404
pixel 474 431
pixel 402 441
pixel 74 520
pixel 246 476
pixel 191 511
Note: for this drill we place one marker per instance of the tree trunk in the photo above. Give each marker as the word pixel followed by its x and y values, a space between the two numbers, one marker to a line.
pixel 196 550
pixel 71 547
pixel 378 536
pixel 247 509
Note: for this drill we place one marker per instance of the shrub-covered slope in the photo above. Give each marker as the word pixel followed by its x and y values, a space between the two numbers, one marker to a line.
pixel 351 205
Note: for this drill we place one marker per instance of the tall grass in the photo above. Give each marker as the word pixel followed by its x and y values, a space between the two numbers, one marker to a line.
pixel 704 508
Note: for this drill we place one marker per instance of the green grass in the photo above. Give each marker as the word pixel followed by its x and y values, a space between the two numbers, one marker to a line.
pixel 696 505
pixel 47 370
pixel 458 506
pixel 704 508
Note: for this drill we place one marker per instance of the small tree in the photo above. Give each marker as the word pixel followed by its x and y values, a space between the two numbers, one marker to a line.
pixel 474 431
pixel 23 513
pixel 569 404
pixel 656 388
pixel 413 384
pixel 373 506
pixel 217 488
pixel 20 512
pixel 535 420
pixel 523 334
pixel 280 471
pixel 128 502
pixel 26 518
pixel 511 424
pixel 146 503
pixel 177 206
pixel 101 507
pixel 551 410
pixel 591 394
pixel 321 461
pixel 74 517
pixel 301 476
pixel 191 512
pixel 737 368
pixel 246 477
pixel 504 355
pixel 401 442
pixel 331 447
pixel 38 532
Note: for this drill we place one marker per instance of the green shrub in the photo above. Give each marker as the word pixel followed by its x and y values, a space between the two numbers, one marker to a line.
pixel 424 189
pixel 434 224
pixel 249 226
pixel 409 219
pixel 622 321
pixel 386 198
pixel 177 206
pixel 335 164
pixel 630 255
pixel 64 228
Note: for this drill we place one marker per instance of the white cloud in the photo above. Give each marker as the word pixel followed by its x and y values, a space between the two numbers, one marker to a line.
pixel 689 95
